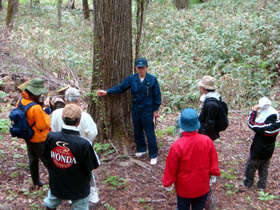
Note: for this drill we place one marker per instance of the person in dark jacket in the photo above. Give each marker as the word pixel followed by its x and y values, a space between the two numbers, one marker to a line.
pixel 264 121
pixel 70 160
pixel 210 109
pixel 145 105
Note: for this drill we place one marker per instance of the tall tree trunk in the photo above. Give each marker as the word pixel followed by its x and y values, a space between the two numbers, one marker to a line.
pixel 265 4
pixel 141 5
pixel 112 62
pixel 11 12
pixel 181 4
pixel 30 4
pixel 86 9
pixel 1 6
pixel 59 4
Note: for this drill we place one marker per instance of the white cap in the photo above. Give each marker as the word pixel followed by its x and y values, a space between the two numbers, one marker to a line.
pixel 264 102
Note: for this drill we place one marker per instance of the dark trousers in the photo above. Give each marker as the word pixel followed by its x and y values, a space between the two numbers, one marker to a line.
pixel 195 203
pixel 252 166
pixel 35 152
pixel 143 121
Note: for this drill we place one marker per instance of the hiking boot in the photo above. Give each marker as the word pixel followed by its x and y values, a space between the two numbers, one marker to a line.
pixel 140 154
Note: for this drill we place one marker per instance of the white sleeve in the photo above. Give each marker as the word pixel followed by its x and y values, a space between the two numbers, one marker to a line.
pixel 88 127
pixel 56 120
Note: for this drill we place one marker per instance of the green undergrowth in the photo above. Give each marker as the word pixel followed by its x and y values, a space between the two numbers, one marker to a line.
pixel 237 42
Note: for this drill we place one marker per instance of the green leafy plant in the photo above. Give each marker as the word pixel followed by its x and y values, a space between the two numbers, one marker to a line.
pixel 265 196
pixel 108 206
pixel 115 181
pixel 101 148
pixel 227 175
pixel 4 125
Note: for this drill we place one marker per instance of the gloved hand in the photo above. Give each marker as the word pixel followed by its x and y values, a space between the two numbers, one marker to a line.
pixel 168 189
pixel 212 180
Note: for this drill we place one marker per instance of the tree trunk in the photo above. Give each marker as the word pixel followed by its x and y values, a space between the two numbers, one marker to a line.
pixel 30 4
pixel 86 9
pixel 112 62
pixel 36 2
pixel 265 4
pixel 141 5
pixel 181 4
pixel 11 12
pixel 1 7
pixel 59 4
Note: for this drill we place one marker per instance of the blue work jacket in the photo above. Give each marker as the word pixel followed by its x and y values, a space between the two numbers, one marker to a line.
pixel 146 95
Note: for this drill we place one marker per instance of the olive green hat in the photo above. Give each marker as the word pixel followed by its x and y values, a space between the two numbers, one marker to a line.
pixel 36 87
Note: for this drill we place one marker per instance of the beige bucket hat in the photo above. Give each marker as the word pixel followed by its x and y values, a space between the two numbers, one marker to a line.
pixel 208 83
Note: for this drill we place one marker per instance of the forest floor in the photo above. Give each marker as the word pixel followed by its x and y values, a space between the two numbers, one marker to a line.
pixel 128 184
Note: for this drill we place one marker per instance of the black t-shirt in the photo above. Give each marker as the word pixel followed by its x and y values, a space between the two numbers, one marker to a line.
pixel 70 160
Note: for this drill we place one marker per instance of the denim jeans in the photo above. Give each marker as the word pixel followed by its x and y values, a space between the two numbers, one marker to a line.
pixel 143 121
pixel 52 202
pixel 195 203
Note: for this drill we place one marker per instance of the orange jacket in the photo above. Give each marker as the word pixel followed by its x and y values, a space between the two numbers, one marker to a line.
pixel 36 114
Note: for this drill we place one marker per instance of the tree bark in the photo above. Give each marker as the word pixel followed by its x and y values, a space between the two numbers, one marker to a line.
pixel 141 5
pixel 59 5
pixel 181 4
pixel 11 12
pixel 30 4
pixel 112 62
pixel 86 9
pixel 265 4
pixel 1 6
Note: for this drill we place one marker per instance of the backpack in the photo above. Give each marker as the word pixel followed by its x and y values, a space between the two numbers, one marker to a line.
pixel 19 125
pixel 222 118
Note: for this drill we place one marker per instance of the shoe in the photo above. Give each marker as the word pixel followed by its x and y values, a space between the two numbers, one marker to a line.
pixel 153 161
pixel 93 196
pixel 140 154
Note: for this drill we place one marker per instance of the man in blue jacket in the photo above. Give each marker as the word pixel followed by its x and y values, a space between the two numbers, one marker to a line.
pixel 145 105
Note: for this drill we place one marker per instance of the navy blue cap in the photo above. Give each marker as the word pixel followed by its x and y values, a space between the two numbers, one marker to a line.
pixel 141 62
pixel 189 120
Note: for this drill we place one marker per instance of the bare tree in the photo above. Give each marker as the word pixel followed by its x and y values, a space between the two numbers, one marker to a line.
pixel 181 4
pixel 265 4
pixel 141 7
pixel 112 62
pixel 59 5
pixel 86 9
pixel 11 12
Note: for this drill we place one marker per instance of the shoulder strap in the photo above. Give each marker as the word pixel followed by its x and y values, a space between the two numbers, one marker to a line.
pixel 28 106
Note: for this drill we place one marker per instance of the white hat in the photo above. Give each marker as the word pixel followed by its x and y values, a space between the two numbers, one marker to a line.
pixel 264 102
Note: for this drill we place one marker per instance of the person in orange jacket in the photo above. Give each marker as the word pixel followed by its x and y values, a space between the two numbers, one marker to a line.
pixel 40 122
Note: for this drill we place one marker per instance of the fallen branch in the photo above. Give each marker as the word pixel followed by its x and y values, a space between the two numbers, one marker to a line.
pixel 149 201
pixel 113 146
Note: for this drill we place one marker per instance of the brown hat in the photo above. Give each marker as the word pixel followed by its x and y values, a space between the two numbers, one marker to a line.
pixel 72 111
pixel 208 83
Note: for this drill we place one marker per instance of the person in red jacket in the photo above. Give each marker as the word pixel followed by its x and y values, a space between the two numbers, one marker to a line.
pixel 191 161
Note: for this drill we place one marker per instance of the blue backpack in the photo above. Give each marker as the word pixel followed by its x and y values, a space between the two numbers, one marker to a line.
pixel 19 125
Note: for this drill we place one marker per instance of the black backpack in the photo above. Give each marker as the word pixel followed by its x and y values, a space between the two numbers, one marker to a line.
pixel 19 125
pixel 222 118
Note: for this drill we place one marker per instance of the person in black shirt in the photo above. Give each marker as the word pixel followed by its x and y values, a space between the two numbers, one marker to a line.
pixel 70 159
